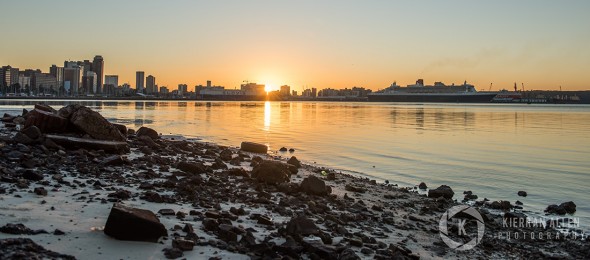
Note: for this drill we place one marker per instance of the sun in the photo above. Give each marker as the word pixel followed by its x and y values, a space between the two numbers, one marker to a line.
pixel 268 87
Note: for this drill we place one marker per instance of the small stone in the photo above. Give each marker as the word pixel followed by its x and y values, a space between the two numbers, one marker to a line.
pixel 522 193
pixel 166 212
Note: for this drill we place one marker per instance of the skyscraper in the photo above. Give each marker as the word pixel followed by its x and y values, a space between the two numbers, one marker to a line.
pixel 58 73
pixel 139 80
pixel 98 68
pixel 150 85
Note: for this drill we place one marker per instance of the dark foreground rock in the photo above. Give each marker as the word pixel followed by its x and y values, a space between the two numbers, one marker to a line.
pixel 25 248
pixel 442 191
pixel 253 147
pixel 146 131
pixel 127 223
pixel 47 122
pixel 20 229
pixel 563 208
pixel 271 172
pixel 92 123
pixel 314 186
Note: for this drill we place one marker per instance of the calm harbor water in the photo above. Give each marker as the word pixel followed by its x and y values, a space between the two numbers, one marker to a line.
pixel 493 150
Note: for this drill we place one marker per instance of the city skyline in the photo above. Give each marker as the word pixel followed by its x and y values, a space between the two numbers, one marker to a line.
pixel 542 44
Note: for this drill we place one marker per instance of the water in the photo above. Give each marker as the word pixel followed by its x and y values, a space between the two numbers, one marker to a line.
pixel 493 150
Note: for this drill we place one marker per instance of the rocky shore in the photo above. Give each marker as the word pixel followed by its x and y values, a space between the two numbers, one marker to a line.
pixel 74 186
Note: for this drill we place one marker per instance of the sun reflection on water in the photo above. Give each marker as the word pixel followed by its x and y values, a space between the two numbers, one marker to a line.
pixel 266 116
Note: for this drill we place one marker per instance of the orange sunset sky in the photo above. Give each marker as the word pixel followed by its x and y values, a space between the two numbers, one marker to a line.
pixel 336 44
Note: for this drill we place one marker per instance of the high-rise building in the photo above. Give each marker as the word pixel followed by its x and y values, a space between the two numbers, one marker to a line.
pixel 90 83
pixel 72 78
pixel 182 89
pixel 58 73
pixel 112 80
pixel 43 83
pixel 314 92
pixel 150 85
pixel 139 80
pixel 9 76
pixel 98 68
pixel 285 90
pixel 208 83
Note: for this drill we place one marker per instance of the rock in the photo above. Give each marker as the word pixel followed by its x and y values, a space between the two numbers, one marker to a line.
pixel 122 128
pixel 172 253
pixel 291 150
pixel 502 205
pixel 114 160
pixel 20 229
pixel 45 108
pixel 226 155
pixel 314 186
pixel 166 212
pixel 127 223
pixel 130 131
pixel 253 147
pixel 46 122
pixel 32 175
pixel 146 131
pixel 148 141
pixel 348 254
pixel 563 208
pixel 422 186
pixel 19 120
pixel 22 138
pixel 93 124
pixel 522 193
pixel 25 248
pixel 77 143
pixel 293 161
pixel 514 215
pixel 120 194
pixel 271 172
pixel 32 132
pixel 283 149
pixel 301 226
pixel 40 191
pixel 194 168
pixel 183 244
pixel 225 233
pixel 354 188
pixel 210 224
pixel 442 191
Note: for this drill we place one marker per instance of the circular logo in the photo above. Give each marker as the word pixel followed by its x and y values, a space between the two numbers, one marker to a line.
pixel 444 232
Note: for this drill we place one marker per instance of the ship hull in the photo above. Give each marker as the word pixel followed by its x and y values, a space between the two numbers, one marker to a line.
pixel 433 98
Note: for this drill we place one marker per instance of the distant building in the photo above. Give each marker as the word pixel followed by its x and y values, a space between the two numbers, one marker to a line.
pixel 253 89
pixel 182 89
pixel 139 80
pixel 24 81
pixel 285 90
pixel 314 92
pixel 58 73
pixel 150 85
pixel 72 78
pixel 164 90
pixel 44 83
pixel 90 83
pixel 9 76
pixel 208 83
pixel 111 80
pixel 98 68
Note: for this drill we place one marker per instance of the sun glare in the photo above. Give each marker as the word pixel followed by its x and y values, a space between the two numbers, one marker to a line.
pixel 268 87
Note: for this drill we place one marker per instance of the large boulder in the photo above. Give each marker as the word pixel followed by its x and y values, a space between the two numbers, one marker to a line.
pixel 253 147
pixel 314 186
pixel 194 168
pixel 91 144
pixel 271 172
pixel 146 131
pixel 442 191
pixel 92 123
pixel 293 161
pixel 301 226
pixel 47 122
pixel 133 224
pixel 563 208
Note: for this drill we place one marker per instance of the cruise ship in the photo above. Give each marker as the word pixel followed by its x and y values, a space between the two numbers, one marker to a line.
pixel 439 92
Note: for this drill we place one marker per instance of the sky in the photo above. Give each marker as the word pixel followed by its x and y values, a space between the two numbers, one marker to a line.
pixel 309 43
